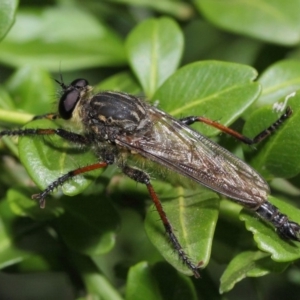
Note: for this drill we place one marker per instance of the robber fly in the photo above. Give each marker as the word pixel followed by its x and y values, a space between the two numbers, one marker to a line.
pixel 118 126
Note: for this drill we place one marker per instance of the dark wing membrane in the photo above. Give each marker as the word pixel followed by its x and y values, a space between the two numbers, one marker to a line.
pixel 183 150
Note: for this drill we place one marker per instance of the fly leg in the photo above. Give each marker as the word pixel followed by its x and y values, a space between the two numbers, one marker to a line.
pixel 49 116
pixel 261 136
pixel 67 135
pixel 142 177
pixel 41 197
pixel 285 228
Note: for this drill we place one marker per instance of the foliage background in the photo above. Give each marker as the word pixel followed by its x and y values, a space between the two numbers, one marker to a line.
pixel 94 245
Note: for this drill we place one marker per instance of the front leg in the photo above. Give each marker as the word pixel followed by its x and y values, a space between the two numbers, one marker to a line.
pixel 41 197
pixel 67 135
pixel 48 116
pixel 142 177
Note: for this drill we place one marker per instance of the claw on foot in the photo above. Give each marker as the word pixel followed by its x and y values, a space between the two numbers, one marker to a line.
pixel 39 197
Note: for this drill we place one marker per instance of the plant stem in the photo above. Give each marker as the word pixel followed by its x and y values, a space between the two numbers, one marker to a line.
pixel 13 117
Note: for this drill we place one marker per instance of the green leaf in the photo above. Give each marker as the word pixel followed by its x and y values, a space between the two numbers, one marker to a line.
pixel 218 90
pixel 154 50
pixel 271 21
pixel 73 37
pixel 278 156
pixel 123 82
pixel 158 282
pixel 141 284
pixel 10 254
pixel 214 44
pixel 8 10
pixel 179 9
pixel 96 285
pixel 89 224
pixel 47 158
pixel 248 264
pixel 32 90
pixel 99 287
pixel 278 81
pixel 173 285
pixel 193 215
pixel 6 101
pixel 266 237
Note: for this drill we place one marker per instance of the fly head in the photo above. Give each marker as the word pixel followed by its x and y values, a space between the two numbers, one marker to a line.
pixel 70 97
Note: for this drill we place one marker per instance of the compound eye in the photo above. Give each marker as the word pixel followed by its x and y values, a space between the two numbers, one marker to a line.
pixel 67 103
pixel 79 83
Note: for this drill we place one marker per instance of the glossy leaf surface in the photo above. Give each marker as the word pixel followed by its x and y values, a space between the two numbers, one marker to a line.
pixel 269 20
pixel 278 81
pixel 248 264
pixel 7 16
pixel 217 90
pixel 154 50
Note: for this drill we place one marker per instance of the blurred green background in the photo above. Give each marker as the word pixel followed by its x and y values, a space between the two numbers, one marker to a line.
pixel 228 60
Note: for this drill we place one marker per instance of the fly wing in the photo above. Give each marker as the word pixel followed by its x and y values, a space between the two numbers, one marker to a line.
pixel 183 150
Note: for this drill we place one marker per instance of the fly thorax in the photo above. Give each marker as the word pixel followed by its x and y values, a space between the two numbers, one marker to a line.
pixel 113 113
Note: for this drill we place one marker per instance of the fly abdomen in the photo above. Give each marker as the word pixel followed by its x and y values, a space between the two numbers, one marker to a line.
pixel 286 228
